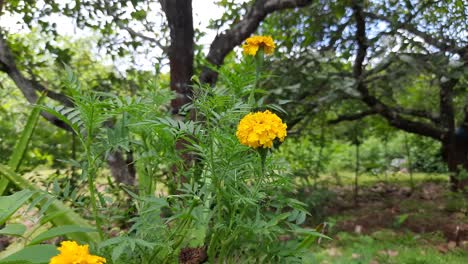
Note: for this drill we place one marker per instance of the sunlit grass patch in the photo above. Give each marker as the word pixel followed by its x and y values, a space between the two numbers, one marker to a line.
pixel 366 179
pixel 386 246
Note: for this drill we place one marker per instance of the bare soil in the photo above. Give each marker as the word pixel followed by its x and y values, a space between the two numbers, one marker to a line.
pixel 429 208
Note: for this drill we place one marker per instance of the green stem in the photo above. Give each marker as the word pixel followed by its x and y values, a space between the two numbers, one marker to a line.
pixel 92 191
pixel 259 57
pixel 263 152
pixel 90 175
pixel 356 174
pixel 318 164
pixel 409 165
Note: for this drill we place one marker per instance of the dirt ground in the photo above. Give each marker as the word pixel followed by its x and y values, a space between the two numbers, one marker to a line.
pixel 429 208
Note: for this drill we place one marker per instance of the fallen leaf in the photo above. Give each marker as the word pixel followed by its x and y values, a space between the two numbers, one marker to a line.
pixel 442 248
pixel 392 253
pixel 333 252
pixel 451 245
pixel 388 252
pixel 358 229
pixel 355 256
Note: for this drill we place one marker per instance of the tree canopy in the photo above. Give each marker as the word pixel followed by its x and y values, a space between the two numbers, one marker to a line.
pixel 404 61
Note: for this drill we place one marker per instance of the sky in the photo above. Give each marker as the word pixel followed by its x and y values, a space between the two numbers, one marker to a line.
pixel 203 11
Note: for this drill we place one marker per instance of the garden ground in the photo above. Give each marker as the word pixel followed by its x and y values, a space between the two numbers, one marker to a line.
pixel 392 223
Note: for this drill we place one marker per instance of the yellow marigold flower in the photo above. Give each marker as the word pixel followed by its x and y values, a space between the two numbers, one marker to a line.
pixel 254 43
pixel 72 253
pixel 260 129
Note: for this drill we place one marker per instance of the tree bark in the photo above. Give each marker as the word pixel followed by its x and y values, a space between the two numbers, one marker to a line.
pixel 455 155
pixel 123 170
pixel 181 50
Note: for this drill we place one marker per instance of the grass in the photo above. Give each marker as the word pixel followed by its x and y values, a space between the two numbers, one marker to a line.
pixel 397 228
pixel 346 178
pixel 387 246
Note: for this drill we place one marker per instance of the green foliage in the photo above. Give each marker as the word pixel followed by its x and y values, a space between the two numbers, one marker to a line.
pixel 400 219
pixel 457 202
pixel 21 145
pixel 49 145
pixel 231 201
pixel 10 204
pixel 54 210
pixel 59 231
pixel 224 203
pixel 376 155
pixel 37 254
pixel 13 230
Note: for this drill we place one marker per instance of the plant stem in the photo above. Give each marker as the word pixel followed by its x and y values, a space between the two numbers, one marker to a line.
pixel 320 153
pixel 408 155
pixel 90 170
pixel 258 70
pixel 263 154
pixel 356 174
pixel 92 191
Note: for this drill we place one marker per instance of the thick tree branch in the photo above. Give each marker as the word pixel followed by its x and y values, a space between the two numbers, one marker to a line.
pixel 358 67
pixel 393 116
pixel 418 113
pixel 299 117
pixel 447 112
pixel 28 87
pixel 352 117
pixel 225 42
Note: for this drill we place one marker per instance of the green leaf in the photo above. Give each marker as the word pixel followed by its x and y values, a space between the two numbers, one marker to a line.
pixel 37 254
pixel 13 230
pixel 10 204
pixel 278 218
pixel 69 217
pixel 139 15
pixel 50 217
pixel 16 262
pixel 311 237
pixel 21 145
pixel 118 251
pixel 111 241
pixel 301 218
pixel 60 231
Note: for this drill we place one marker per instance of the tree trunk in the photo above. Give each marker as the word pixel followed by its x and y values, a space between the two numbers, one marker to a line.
pixel 356 175
pixel 122 170
pixel 181 50
pixel 181 57
pixel 455 152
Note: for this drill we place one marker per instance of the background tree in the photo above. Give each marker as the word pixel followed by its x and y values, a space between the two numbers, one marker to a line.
pixel 119 22
pixel 404 61
pixel 381 57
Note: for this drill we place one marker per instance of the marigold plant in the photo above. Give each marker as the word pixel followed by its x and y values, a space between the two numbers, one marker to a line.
pixel 254 43
pixel 72 253
pixel 260 129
